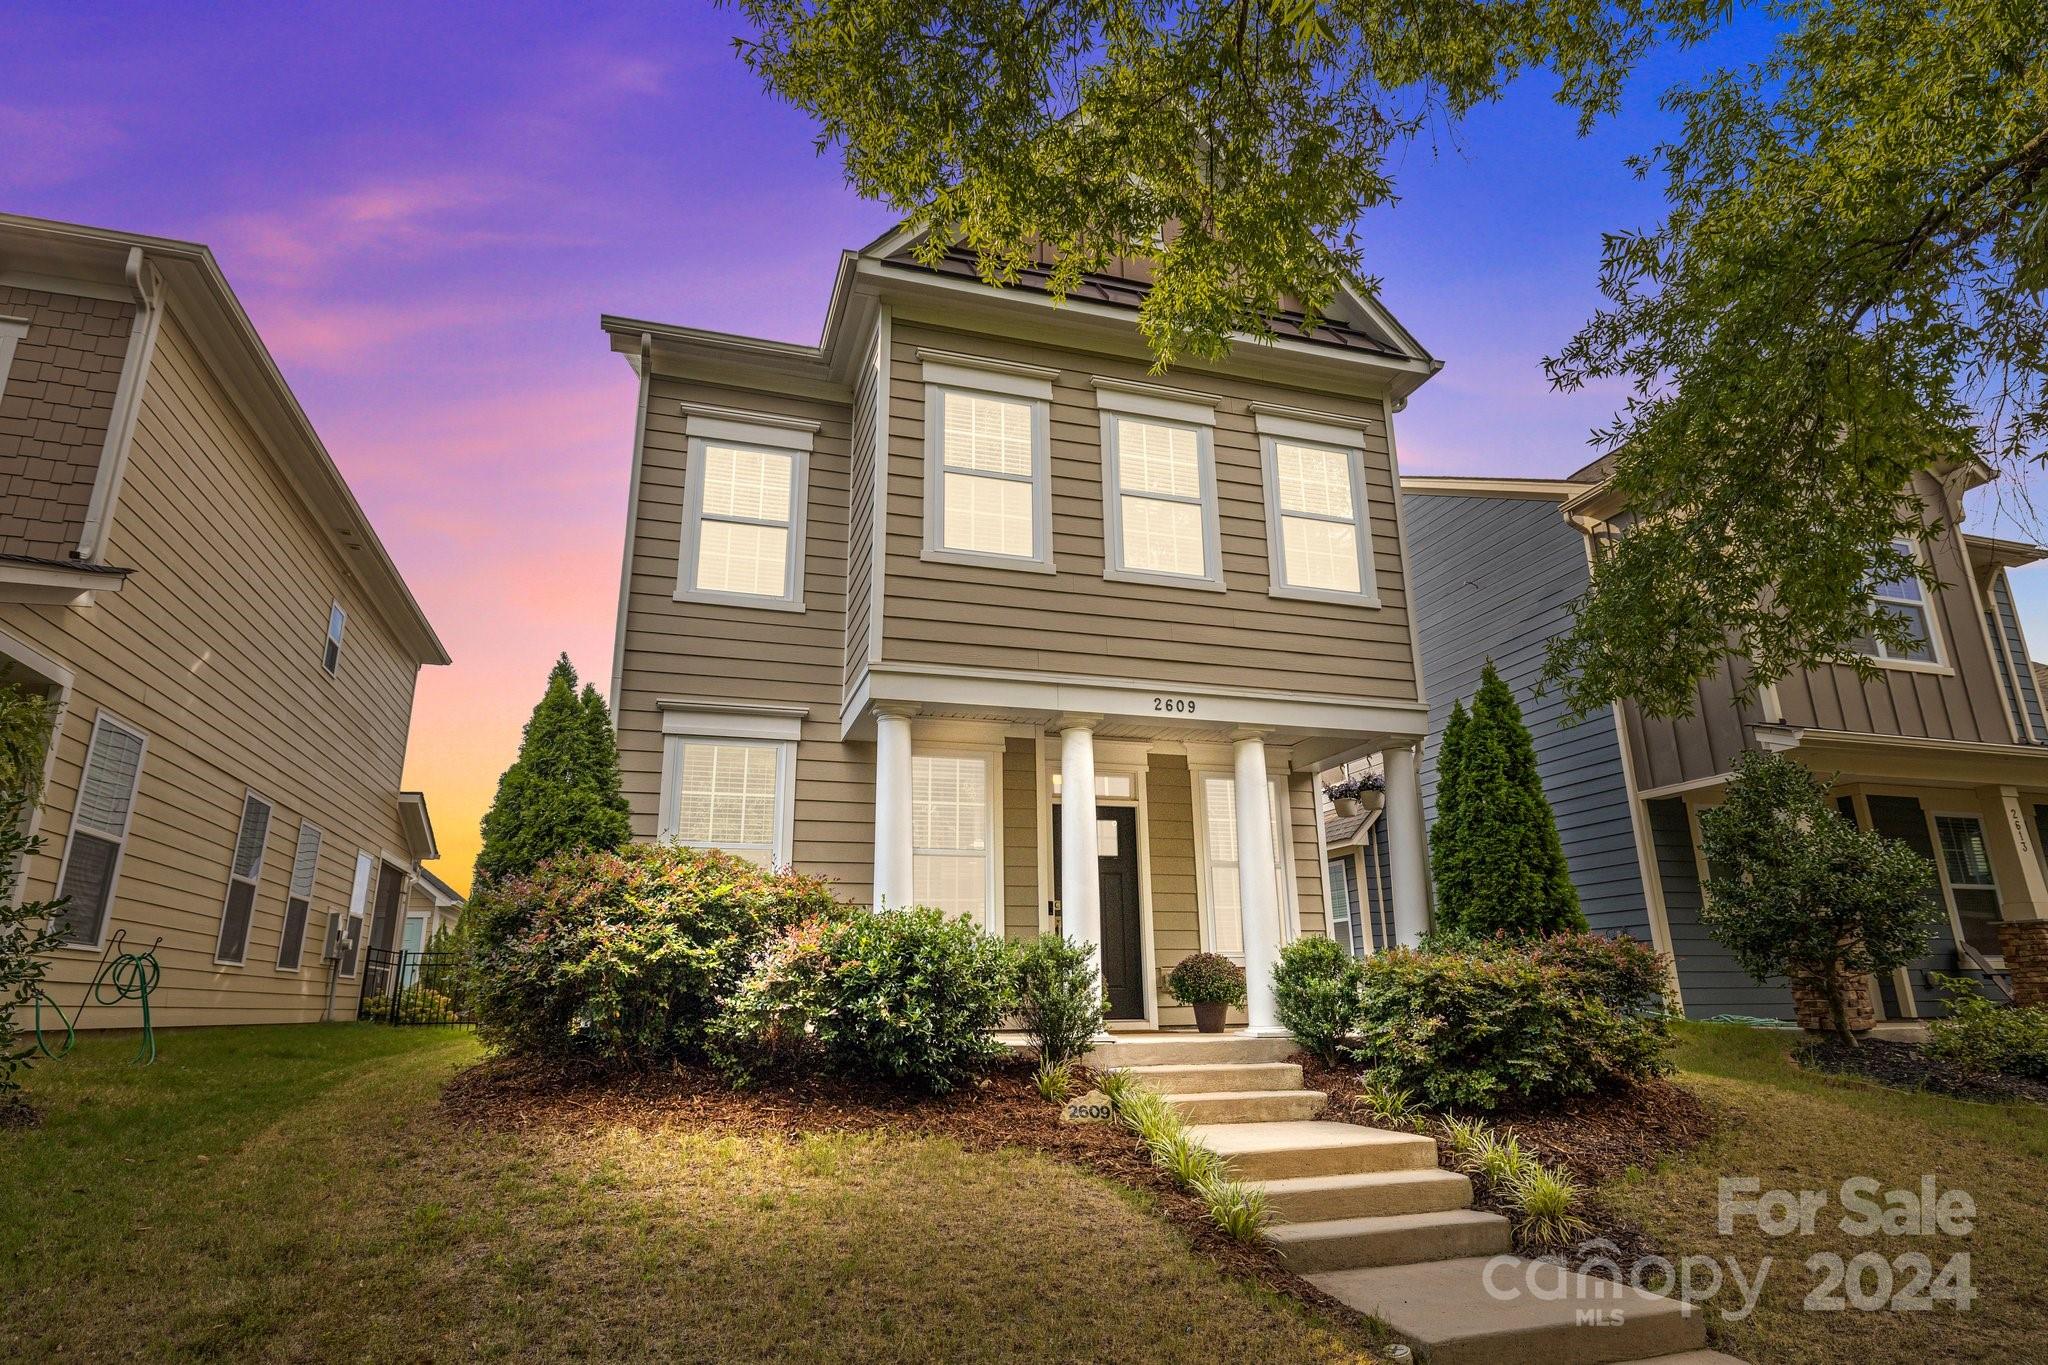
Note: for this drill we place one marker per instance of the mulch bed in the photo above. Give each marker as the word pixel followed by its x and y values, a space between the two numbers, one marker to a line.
pixel 18 1114
pixel 1003 1111
pixel 1906 1066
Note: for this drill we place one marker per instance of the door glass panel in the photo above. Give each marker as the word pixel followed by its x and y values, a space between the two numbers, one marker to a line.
pixel 1105 838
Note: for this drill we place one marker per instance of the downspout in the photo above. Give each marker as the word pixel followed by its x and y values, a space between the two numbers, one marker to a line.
pixel 632 520
pixel 106 489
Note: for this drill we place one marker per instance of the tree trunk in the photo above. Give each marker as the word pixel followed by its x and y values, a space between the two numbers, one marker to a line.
pixel 1838 1008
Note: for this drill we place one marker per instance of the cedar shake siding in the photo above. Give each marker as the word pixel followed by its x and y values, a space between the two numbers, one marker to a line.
pixel 1495 578
pixel 56 400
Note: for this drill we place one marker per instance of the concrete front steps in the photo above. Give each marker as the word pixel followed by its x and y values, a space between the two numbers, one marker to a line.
pixel 1367 1216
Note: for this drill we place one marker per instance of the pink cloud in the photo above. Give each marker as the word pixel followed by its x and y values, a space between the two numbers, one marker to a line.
pixel 47 146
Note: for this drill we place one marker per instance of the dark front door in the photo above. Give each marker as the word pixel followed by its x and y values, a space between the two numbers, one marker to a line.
pixel 1123 942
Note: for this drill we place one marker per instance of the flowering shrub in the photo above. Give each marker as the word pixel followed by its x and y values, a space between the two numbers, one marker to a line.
pixel 1353 788
pixel 906 996
pixel 1499 1023
pixel 1206 979
pixel 624 958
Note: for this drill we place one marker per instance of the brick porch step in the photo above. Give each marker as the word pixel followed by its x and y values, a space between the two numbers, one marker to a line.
pixel 1274 1151
pixel 1247 1106
pixel 1193 1078
pixel 1444 1310
pixel 1373 1194
pixel 1395 1239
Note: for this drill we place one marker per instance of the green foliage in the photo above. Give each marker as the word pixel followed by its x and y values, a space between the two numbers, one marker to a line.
pixel 1315 984
pixel 1495 857
pixel 1055 1081
pixel 1240 1210
pixel 910 997
pixel 1546 1208
pixel 1206 979
pixel 1185 1159
pixel 1465 1136
pixel 1846 292
pixel 1981 1038
pixel 1501 1023
pixel 1499 1163
pixel 562 793
pixel 25 722
pixel 1059 995
pixel 1388 1107
pixel 1795 890
pixel 1253 134
pixel 622 958
pixel 417 1004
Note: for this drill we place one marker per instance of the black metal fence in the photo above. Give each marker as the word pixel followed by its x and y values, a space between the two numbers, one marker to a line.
pixel 401 987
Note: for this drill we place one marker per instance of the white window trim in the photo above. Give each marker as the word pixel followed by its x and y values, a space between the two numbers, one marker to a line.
pixel 12 330
pixel 1349 442
pixel 1121 404
pixel 773 728
pixel 987 379
pixel 59 679
pixel 744 431
pixel 360 892
pixel 1290 893
pixel 254 879
pixel 319 847
pixel 1949 886
pixel 334 637
pixel 1927 605
pixel 114 722
pixel 991 756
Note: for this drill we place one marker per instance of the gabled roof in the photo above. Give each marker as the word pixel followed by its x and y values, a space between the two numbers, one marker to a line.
pixel 201 298
pixel 439 889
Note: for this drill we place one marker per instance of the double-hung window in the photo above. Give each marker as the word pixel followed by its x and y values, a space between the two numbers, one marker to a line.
pixel 728 781
pixel 1906 599
pixel 1225 899
pixel 1159 487
pixel 988 466
pixel 743 510
pixel 952 834
pixel 1967 861
pixel 245 871
pixel 337 621
pixel 1318 531
pixel 298 899
pixel 99 831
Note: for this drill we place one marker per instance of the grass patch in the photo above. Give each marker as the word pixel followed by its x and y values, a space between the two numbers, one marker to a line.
pixel 296 1194
pixel 1794 1130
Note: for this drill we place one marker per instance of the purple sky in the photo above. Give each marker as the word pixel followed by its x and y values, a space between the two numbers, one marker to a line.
pixel 426 207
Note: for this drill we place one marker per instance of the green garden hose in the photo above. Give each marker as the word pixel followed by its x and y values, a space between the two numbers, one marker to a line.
pixel 122 976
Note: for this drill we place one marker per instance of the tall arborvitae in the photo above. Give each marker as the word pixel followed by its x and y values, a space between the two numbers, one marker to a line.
pixel 1500 865
pixel 1446 871
pixel 562 793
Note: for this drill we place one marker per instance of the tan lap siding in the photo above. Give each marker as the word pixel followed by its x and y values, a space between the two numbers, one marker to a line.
pixel 1308 854
pixel 213 650
pixel 1020 839
pixel 860 519
pixel 1176 911
pixel 709 652
pixel 1079 623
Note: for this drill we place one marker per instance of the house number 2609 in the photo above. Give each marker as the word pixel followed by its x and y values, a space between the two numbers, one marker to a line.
pixel 1180 706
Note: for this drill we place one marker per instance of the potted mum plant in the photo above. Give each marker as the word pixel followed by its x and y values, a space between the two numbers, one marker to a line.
pixel 1212 984
pixel 1359 794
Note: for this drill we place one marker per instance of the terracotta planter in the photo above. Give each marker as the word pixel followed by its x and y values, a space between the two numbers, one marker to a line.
pixel 1209 1018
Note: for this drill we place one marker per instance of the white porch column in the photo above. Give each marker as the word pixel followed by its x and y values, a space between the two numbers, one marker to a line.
pixel 1080 873
pixel 893 887
pixel 1258 895
pixel 1408 845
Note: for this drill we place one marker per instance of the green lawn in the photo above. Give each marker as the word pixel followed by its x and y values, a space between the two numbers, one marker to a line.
pixel 1794 1130
pixel 294 1194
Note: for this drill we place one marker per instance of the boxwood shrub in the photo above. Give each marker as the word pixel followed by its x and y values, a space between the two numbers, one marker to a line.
pixel 1498 1024
pixel 1316 984
pixel 623 958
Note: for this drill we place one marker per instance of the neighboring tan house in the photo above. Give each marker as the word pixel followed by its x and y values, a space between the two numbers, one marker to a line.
pixel 1942 749
pixel 964 606
pixel 183 567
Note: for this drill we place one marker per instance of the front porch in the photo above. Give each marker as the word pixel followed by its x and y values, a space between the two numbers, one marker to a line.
pixel 1128 833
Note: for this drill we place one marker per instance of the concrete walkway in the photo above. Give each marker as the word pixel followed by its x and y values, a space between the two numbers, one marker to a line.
pixel 1366 1215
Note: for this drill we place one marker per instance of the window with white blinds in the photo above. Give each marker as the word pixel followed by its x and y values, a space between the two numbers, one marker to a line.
pixel 1225 900
pixel 729 794
pixel 951 834
pixel 988 498
pixel 245 870
pixel 1906 599
pixel 1162 501
pixel 743 530
pixel 99 831
pixel 1316 522
pixel 298 899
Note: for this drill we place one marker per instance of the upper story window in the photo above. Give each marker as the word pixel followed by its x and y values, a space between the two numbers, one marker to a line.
pixel 988 466
pixel 744 497
pixel 1905 598
pixel 1159 488
pixel 1318 527
pixel 12 330
pixel 337 621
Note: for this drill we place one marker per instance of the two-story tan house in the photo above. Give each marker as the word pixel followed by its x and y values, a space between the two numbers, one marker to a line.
pixel 1945 747
pixel 184 569
pixel 964 606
